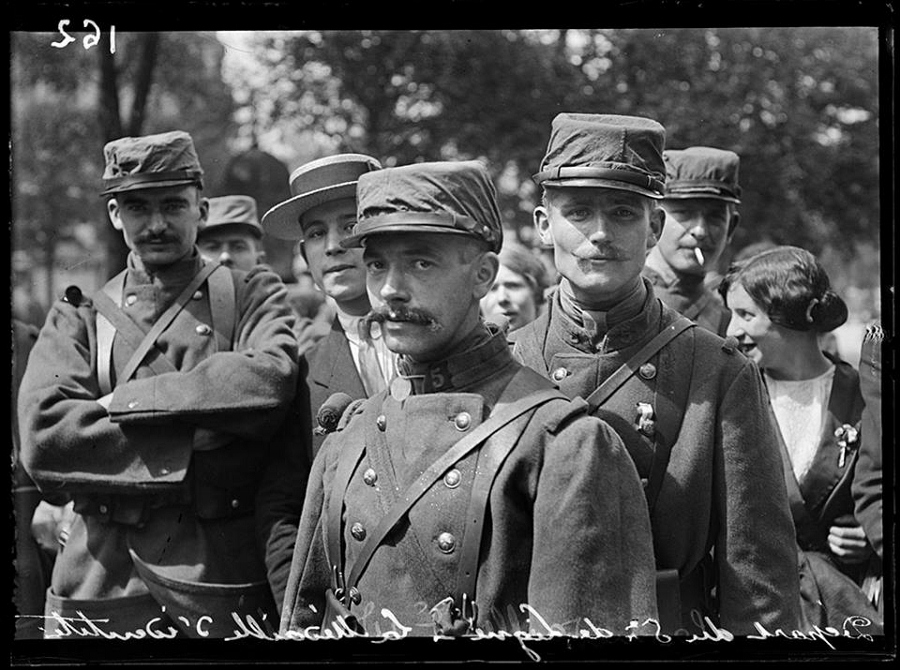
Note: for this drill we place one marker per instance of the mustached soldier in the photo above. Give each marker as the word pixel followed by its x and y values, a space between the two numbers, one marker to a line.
pixel 691 409
pixel 471 488
pixel 153 406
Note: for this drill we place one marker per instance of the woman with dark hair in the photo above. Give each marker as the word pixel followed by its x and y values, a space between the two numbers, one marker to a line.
pixel 518 290
pixel 781 301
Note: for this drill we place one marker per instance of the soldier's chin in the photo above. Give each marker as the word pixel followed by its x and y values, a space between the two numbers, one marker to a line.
pixel 414 342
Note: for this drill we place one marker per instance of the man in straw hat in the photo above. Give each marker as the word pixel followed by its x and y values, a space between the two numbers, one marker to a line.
pixel 321 212
pixel 153 406
pixel 701 199
pixel 471 495
pixel 231 234
pixel 690 408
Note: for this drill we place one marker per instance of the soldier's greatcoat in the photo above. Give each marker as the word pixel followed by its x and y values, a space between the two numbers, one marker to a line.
pixel 566 530
pixel 723 490
pixel 692 298
pixel 155 513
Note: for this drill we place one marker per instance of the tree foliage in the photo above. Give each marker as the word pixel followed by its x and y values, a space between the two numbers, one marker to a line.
pixel 800 105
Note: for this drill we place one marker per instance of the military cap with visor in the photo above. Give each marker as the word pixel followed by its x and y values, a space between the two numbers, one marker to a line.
pixel 448 197
pixel 702 172
pixel 319 181
pixel 151 161
pixel 605 151
pixel 233 210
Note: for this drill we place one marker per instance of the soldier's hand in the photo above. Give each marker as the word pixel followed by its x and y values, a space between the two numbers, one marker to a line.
pixel 849 544
pixel 49 525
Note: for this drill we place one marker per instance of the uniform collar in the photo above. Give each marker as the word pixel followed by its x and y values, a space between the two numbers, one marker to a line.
pixel 478 356
pixel 626 323
pixel 175 274
pixel 660 273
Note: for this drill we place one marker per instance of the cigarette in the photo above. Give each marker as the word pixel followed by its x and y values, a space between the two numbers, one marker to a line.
pixel 698 255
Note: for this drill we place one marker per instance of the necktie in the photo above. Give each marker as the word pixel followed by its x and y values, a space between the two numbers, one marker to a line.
pixel 369 367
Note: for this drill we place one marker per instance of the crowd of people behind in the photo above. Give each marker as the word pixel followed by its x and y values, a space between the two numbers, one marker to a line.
pixel 438 429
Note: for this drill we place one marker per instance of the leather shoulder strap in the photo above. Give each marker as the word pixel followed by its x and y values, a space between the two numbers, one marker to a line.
pixel 603 392
pixel 495 422
pixel 222 307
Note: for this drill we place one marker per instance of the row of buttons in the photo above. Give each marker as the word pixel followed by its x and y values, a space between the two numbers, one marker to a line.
pixel 462 421
pixel 131 298
pixel 451 479
pixel 647 371
pixel 446 542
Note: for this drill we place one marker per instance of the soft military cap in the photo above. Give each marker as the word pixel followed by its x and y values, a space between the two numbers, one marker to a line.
pixel 233 210
pixel 702 172
pixel 313 183
pixel 605 151
pixel 456 197
pixel 151 161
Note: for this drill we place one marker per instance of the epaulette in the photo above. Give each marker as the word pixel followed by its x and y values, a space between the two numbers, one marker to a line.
pixel 356 407
pixel 730 345
pixel 576 405
pixel 73 296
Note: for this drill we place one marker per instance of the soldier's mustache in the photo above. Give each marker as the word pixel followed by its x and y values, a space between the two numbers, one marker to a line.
pixel 404 314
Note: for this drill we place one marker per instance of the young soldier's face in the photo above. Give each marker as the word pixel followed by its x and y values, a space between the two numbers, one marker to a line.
pixel 600 238
pixel 231 246
pixel 339 272
pixel 425 288
pixel 159 224
pixel 694 223
pixel 511 297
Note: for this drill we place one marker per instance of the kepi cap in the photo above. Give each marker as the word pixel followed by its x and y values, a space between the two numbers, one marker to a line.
pixel 321 180
pixel 456 197
pixel 233 210
pixel 605 151
pixel 151 161
pixel 702 172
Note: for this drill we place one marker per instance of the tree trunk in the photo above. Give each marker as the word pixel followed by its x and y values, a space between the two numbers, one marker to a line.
pixel 143 82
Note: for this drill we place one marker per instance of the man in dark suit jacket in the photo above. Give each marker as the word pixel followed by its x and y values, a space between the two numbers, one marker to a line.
pixel 320 213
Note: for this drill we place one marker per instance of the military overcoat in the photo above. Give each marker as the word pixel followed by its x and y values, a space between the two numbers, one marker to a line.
pixel 566 531
pixel 695 300
pixel 165 481
pixel 723 490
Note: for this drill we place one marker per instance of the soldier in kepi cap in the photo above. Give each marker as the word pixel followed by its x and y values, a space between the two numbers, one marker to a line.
pixel 470 495
pixel 231 234
pixel 689 406
pixel 153 405
pixel 701 199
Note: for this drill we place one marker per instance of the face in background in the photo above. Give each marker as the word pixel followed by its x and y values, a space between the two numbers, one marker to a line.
pixel 231 245
pixel 600 238
pixel 427 288
pixel 511 296
pixel 159 224
pixel 759 338
pixel 695 223
pixel 339 272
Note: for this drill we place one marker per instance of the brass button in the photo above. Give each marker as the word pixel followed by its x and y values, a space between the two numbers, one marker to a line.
pixel 446 543
pixel 463 420
pixel 381 422
pixel 559 374
pixel 164 471
pixel 130 299
pixel 358 532
pixel 370 477
pixel 355 595
pixel 647 371
pixel 452 479
pixel 203 329
pixel 197 295
pixel 103 509
pixel 235 503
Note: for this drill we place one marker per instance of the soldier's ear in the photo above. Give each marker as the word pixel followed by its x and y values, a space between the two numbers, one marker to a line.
pixel 542 224
pixel 486 269
pixel 204 209
pixel 733 224
pixel 112 206
pixel 657 221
